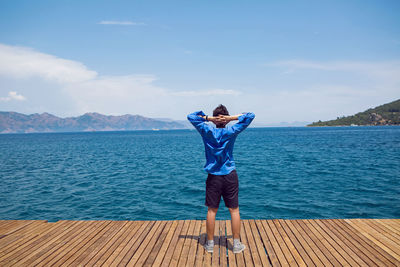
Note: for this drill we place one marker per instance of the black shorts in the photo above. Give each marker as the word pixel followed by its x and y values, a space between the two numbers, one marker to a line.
pixel 226 186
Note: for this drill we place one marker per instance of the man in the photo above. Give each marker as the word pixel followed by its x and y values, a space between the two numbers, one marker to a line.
pixel 222 178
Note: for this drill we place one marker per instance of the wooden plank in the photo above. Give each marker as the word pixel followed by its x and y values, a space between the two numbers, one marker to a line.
pixel 329 241
pixel 31 248
pixel 392 246
pixel 171 248
pixel 295 254
pixel 52 249
pixel 384 230
pixel 346 247
pixel 389 227
pixel 373 235
pixel 20 225
pixel 251 244
pixel 305 241
pixel 260 248
pixel 395 231
pixel 215 255
pixel 163 250
pixel 103 254
pixel 82 230
pixel 133 244
pixel 179 244
pixel 33 244
pixel 116 256
pixel 319 241
pixel 183 257
pixel 194 242
pixel 91 249
pixel 303 254
pixel 223 243
pixel 16 229
pixel 24 241
pixel 286 253
pixel 358 251
pixel 248 259
pixel 147 245
pixel 160 241
pixel 395 223
pixel 229 245
pixel 310 240
pixel 361 252
pixel 7 225
pixel 363 244
pixel 374 245
pixel 267 244
pixel 81 243
pixel 3 222
pixel 278 254
pixel 140 254
pixel 26 233
pixel 4 227
pixel 202 241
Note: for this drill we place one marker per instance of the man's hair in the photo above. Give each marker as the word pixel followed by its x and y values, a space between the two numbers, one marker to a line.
pixel 220 110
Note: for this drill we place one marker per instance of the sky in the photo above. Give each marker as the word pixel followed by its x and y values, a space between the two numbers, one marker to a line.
pixel 283 60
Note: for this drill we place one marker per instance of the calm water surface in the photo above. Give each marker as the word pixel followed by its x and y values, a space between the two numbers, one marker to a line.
pixel 289 173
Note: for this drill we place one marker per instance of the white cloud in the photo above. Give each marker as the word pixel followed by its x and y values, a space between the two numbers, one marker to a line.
pixel 13 96
pixel 22 62
pixel 72 82
pixel 125 23
pixel 116 94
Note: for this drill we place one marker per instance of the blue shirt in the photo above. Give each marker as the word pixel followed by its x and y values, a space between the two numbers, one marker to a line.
pixel 218 142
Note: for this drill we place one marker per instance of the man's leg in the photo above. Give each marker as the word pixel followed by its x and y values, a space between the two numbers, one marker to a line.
pixel 235 217
pixel 211 222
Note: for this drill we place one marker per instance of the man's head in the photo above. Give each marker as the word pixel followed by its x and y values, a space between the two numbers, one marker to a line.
pixel 220 110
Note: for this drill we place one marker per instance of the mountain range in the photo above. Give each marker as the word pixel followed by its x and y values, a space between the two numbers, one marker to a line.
pixel 13 122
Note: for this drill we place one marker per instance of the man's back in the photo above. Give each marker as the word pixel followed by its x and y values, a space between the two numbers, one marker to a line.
pixel 219 142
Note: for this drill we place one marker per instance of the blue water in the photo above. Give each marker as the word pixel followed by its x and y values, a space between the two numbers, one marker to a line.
pixel 289 173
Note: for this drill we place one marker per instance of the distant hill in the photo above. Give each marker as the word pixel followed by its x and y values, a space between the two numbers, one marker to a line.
pixel 387 114
pixel 13 122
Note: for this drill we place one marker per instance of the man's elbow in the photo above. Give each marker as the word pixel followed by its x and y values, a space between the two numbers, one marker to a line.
pixel 191 117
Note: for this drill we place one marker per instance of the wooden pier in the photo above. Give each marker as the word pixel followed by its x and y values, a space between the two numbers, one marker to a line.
pixel 277 242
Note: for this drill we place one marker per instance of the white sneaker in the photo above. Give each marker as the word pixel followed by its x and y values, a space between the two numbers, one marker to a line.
pixel 238 248
pixel 209 248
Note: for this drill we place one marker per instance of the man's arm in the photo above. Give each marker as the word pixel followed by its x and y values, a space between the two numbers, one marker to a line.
pixel 197 119
pixel 233 118
pixel 244 120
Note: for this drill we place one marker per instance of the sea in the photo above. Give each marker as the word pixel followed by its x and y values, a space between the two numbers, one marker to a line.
pixel 284 173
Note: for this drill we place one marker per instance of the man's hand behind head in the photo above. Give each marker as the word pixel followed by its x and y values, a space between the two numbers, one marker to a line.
pixel 220 121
